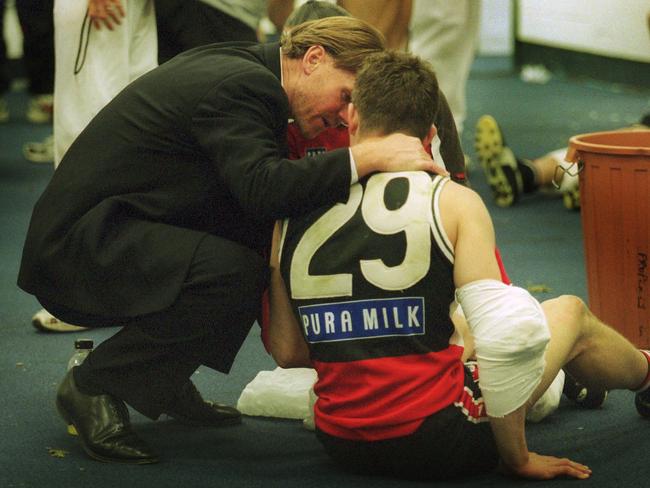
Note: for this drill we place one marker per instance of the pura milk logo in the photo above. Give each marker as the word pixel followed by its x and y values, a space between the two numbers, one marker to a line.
pixel 363 319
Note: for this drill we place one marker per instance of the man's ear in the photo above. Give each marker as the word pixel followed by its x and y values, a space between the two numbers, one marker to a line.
pixel 312 58
pixel 353 119
pixel 429 137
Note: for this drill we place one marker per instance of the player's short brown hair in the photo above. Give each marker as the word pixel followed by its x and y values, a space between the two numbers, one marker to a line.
pixel 396 92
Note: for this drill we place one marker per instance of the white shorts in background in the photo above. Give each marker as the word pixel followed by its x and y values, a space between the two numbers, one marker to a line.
pixel 107 61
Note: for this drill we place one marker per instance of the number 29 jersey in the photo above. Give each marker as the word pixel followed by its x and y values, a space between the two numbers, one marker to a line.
pixel 371 283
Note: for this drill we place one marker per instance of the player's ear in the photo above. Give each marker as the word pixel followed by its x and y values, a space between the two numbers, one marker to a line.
pixel 353 119
pixel 429 137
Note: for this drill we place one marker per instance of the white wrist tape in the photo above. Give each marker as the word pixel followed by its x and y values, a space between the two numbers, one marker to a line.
pixel 510 335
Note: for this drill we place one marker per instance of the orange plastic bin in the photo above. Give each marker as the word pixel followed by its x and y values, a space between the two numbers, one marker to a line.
pixel 615 210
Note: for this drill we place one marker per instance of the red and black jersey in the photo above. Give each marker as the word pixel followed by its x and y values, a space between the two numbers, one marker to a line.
pixel 338 137
pixel 371 282
pixel 329 139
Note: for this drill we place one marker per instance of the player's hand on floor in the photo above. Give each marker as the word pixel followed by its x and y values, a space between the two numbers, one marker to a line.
pixel 541 467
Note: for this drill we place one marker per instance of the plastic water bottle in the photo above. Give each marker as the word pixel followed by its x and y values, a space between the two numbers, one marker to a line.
pixel 82 348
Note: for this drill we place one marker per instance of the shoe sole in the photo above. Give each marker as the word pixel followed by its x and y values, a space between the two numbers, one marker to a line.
pixel 37 157
pixel 56 326
pixel 92 454
pixel 643 407
pixel 571 199
pixel 489 147
pixel 37 119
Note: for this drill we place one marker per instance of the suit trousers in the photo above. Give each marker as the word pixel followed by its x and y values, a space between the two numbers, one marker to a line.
pixel 152 356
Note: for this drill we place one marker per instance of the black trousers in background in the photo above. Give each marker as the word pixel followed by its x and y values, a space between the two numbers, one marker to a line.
pixel 5 77
pixel 37 24
pixel 147 361
pixel 186 24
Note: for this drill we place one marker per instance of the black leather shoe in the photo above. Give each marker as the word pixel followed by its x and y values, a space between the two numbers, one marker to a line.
pixel 581 395
pixel 102 422
pixel 190 408
pixel 642 402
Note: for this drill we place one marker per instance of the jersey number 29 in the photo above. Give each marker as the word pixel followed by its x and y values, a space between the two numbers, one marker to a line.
pixel 412 218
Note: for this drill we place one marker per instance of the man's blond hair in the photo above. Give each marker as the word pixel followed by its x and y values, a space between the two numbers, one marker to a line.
pixel 348 40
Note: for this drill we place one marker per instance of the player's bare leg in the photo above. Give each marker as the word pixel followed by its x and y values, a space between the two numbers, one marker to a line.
pixel 594 353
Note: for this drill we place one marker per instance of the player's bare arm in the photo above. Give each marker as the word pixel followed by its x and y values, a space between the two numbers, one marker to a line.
pixel 286 343
pixel 474 241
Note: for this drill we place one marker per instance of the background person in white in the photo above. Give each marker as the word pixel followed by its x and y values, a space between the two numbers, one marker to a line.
pixel 446 35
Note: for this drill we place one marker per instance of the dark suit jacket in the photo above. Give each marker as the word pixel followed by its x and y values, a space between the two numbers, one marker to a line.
pixel 195 146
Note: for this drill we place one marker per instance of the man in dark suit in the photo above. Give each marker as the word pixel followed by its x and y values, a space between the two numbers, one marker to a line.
pixel 160 212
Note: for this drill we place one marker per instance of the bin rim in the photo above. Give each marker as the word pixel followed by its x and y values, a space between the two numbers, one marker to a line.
pixel 581 142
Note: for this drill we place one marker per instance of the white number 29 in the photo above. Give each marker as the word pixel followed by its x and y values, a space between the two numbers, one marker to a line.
pixel 412 218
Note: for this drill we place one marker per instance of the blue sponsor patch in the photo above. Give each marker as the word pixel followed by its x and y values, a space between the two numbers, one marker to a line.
pixel 363 319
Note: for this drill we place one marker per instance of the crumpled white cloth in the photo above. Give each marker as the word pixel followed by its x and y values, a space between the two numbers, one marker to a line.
pixel 282 393
pixel 549 401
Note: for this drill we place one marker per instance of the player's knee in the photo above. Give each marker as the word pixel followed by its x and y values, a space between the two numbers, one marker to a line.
pixel 573 306
pixel 573 312
pixel 252 275
pixel 227 268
